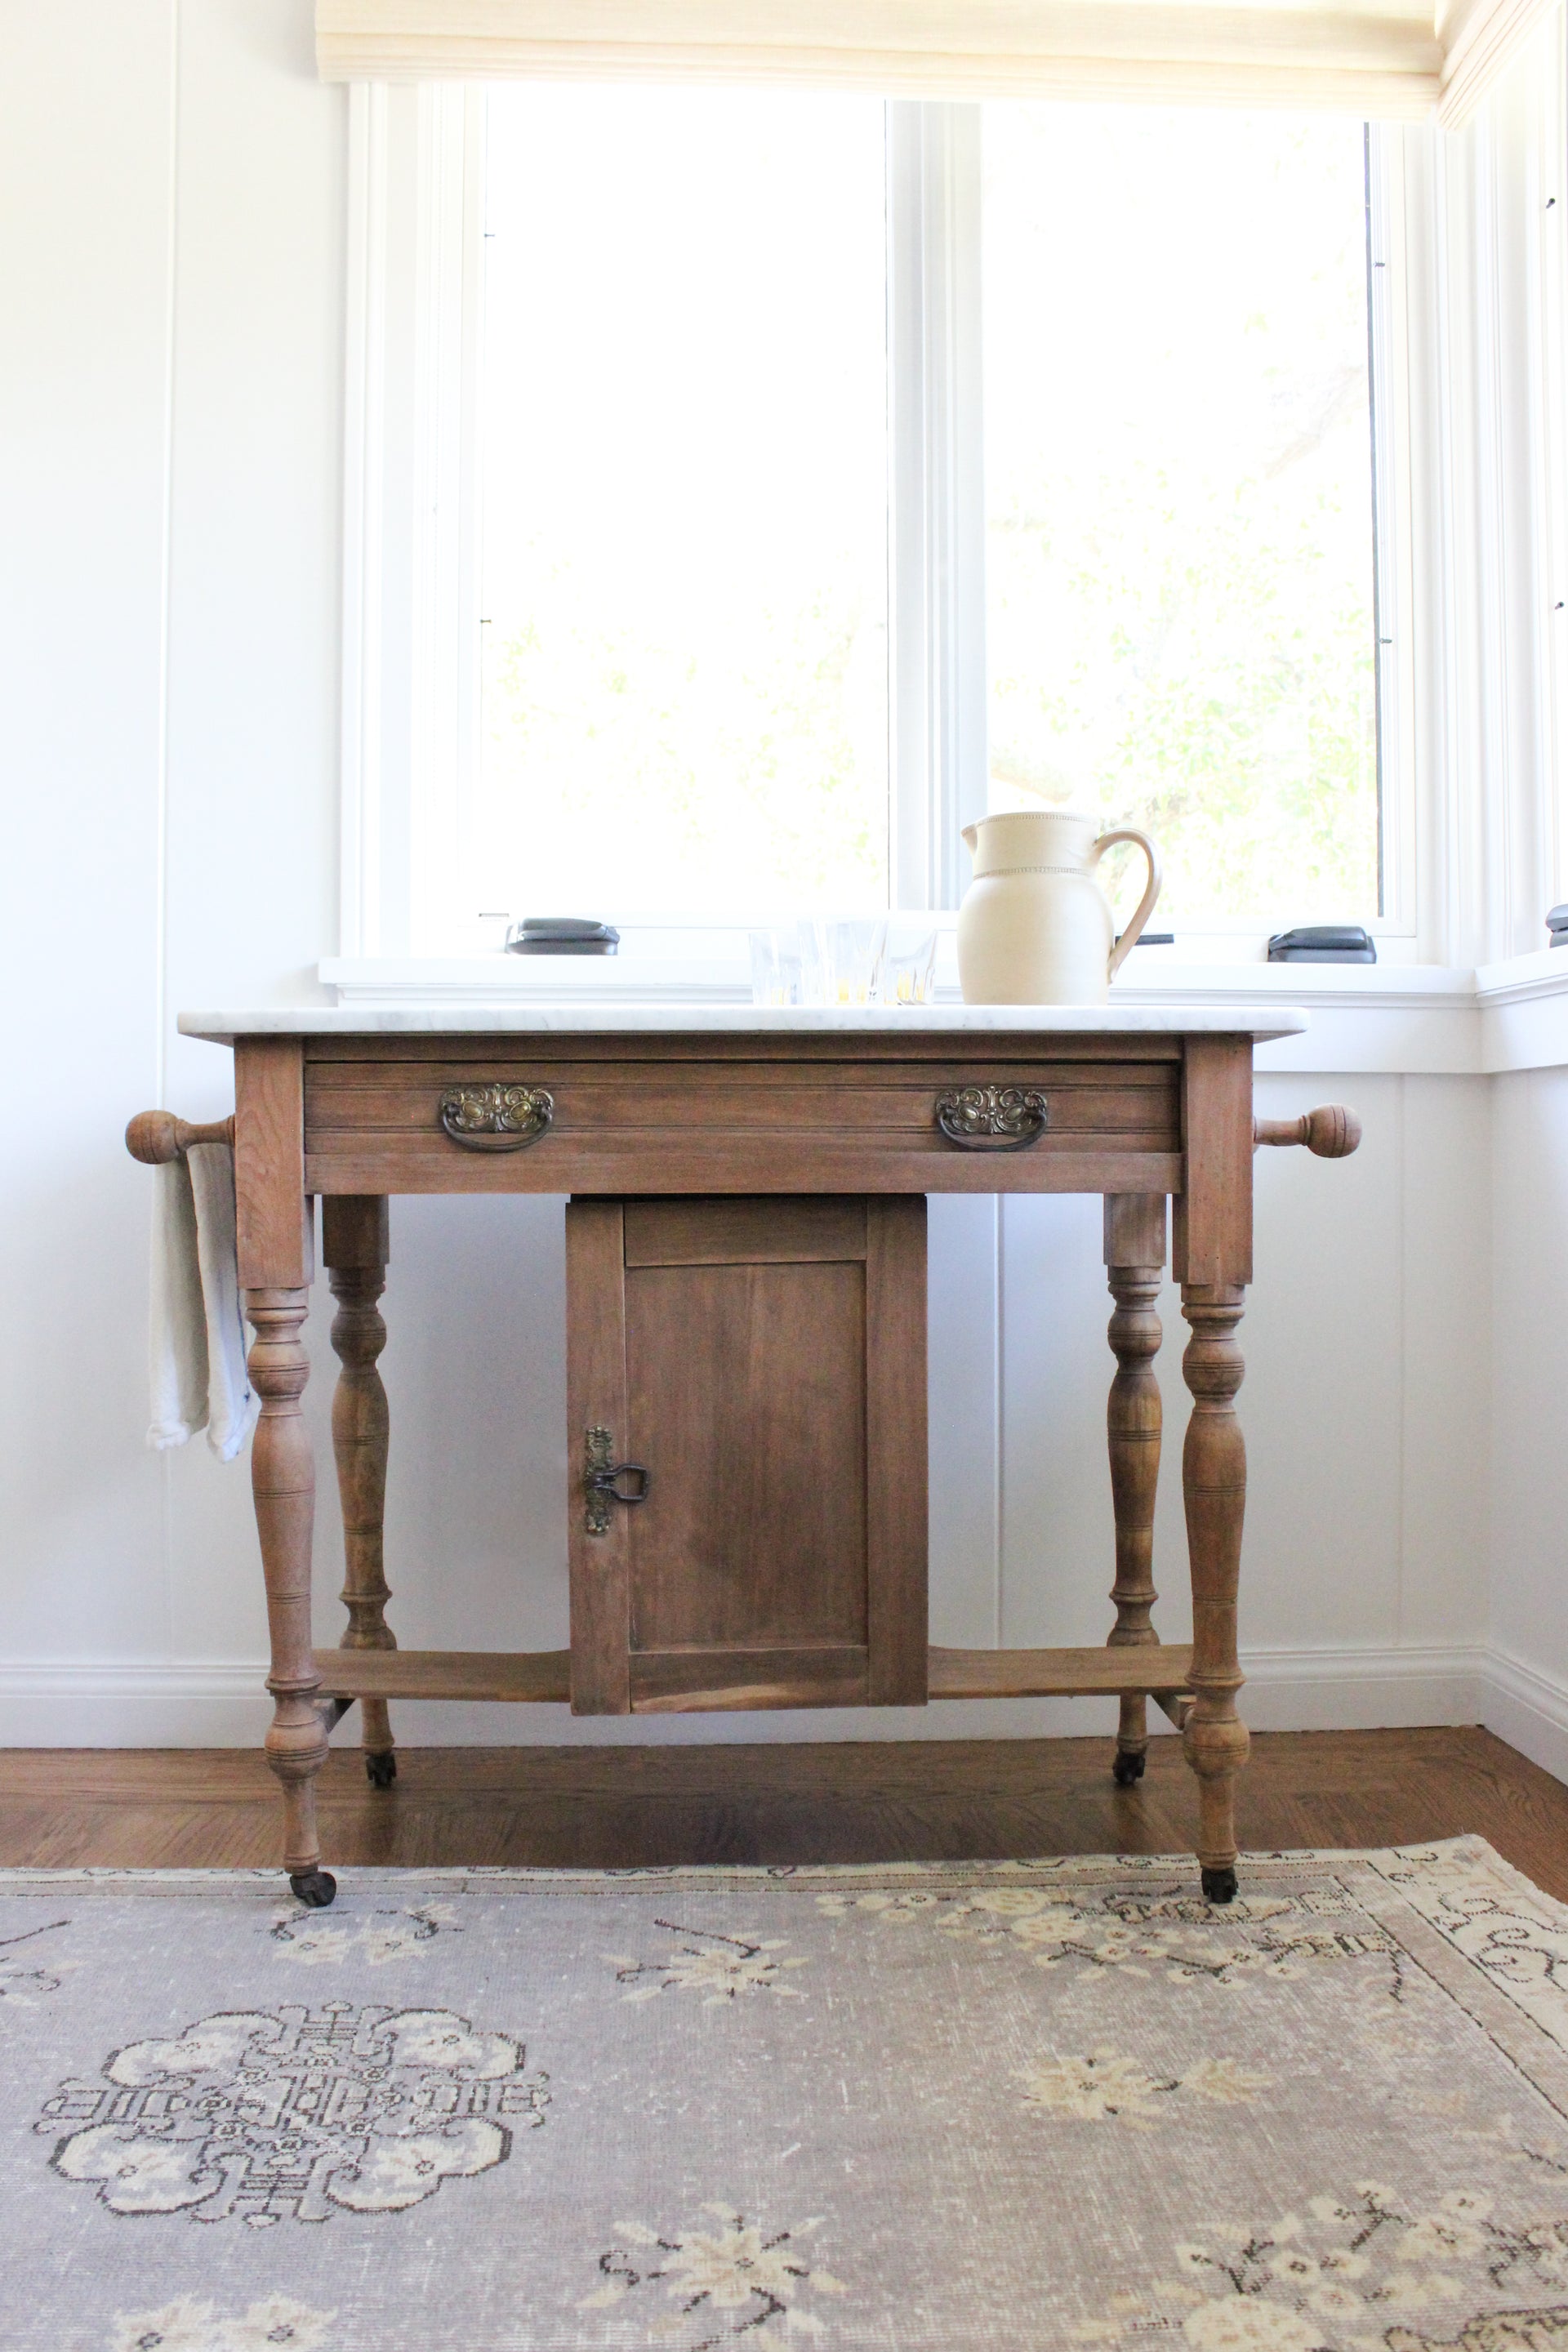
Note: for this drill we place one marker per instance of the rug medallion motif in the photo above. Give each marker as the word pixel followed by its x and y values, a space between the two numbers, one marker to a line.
pixel 294 2113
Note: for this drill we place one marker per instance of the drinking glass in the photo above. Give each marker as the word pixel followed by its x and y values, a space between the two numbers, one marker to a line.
pixel 909 972
pixel 787 964
pixel 853 958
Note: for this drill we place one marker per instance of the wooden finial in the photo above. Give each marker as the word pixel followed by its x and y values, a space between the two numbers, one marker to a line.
pixel 156 1137
pixel 1333 1130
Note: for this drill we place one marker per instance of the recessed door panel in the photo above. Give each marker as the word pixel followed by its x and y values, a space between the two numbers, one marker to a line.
pixel 747 1385
pixel 762 1364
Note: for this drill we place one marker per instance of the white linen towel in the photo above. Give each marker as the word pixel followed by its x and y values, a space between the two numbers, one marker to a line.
pixel 197 1337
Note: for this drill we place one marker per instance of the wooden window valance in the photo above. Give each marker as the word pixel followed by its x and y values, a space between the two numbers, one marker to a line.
pixel 1379 60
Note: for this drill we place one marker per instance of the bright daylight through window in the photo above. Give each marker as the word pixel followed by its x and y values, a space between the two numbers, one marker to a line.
pixel 684 507
pixel 1179 553
pixel 685 500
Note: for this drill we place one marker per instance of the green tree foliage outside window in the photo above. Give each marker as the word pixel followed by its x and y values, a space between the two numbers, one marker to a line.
pixel 1179 547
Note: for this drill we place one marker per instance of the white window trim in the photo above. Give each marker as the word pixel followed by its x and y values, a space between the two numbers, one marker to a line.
pixel 936 501
pixel 360 927
pixel 1389 330
pixel 1549 207
pixel 410 649
pixel 1472 684
pixel 1487 425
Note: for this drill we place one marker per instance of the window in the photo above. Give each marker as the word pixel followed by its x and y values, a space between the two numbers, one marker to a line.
pixel 787 478
pixel 1180 605
pixel 684 404
pixel 684 499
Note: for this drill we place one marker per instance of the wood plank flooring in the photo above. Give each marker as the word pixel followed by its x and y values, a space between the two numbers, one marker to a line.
pixel 931 1799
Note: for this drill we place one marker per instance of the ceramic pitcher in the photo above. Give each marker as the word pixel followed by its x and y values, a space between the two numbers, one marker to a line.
pixel 1035 927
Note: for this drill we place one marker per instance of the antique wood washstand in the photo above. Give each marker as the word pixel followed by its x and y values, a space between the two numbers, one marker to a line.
pixel 745 1243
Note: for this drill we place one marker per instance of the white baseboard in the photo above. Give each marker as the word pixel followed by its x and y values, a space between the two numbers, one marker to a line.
pixel 1356 1689
pixel 1529 1710
pixel 220 1702
pixel 133 1703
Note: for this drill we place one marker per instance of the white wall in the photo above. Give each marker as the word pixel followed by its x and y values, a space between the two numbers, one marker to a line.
pixel 171 203
pixel 1529 1547
pixel 171 224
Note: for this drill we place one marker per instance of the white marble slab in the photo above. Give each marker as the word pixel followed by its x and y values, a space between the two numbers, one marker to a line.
pixel 1260 1021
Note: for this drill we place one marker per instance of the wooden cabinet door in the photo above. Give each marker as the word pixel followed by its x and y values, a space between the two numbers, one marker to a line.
pixel 764 1361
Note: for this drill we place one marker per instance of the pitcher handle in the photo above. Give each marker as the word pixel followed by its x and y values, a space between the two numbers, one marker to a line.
pixel 1131 936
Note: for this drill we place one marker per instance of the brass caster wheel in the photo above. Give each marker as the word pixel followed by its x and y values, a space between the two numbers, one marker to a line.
pixel 314 1888
pixel 381 1767
pixel 1219 1886
pixel 1128 1767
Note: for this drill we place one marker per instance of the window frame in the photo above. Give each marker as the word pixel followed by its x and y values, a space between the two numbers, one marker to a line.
pixel 1390 280
pixel 936 499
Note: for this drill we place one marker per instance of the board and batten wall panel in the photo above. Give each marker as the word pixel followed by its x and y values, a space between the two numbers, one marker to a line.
pixel 172 212
pixel 255 533
pixel 85 105
pixel 1528 1549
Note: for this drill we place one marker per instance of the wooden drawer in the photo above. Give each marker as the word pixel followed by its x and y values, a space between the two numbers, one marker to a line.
pixel 624 1121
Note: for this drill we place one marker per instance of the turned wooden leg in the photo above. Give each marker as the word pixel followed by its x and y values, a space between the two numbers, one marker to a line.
pixel 1135 1260
pixel 283 1480
pixel 354 1245
pixel 1214 1483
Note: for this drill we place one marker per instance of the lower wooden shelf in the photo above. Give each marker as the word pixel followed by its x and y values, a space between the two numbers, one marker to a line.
pixel 951 1673
pixel 1057 1673
pixel 446 1673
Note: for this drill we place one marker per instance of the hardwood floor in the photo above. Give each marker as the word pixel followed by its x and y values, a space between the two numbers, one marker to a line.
pixel 603 1807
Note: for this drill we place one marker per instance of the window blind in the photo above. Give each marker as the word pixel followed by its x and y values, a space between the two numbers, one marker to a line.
pixel 1381 59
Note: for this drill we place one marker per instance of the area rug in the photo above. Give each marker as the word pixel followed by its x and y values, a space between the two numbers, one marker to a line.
pixel 923 2108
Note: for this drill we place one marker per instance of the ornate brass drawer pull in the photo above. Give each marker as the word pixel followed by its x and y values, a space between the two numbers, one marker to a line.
pixel 993 1118
pixel 602 1479
pixel 497 1117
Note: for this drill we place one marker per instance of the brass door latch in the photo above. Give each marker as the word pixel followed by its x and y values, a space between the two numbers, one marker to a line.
pixel 602 1481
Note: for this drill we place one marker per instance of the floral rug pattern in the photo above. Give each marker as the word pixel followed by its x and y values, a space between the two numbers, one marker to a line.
pixel 990 2107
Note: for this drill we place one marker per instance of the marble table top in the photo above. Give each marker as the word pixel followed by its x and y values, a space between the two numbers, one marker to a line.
pixel 545 1019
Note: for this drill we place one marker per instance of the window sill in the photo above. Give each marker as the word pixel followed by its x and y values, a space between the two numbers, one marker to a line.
pixel 720 973
pixel 1395 1018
